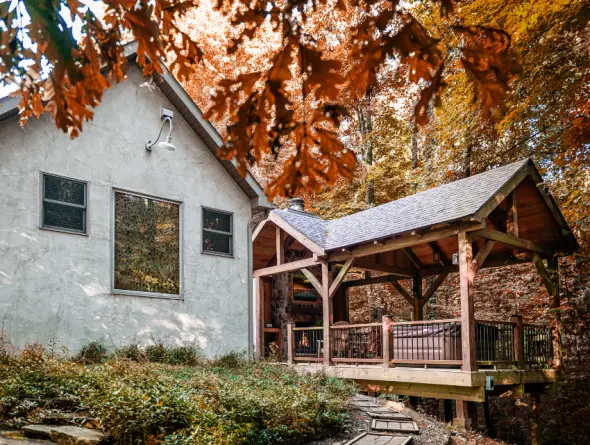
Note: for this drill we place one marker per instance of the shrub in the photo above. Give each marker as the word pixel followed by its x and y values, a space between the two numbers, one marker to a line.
pixel 93 352
pixel 130 352
pixel 183 355
pixel 241 403
pixel 156 353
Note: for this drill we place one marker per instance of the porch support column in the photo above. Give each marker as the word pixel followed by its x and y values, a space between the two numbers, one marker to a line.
pixel 465 415
pixel 417 298
pixel 550 276
pixel 327 311
pixel 258 285
pixel 466 276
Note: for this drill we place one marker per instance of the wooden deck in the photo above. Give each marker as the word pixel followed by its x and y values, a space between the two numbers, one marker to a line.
pixel 437 383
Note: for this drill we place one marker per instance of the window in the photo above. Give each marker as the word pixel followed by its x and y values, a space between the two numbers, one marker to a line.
pixel 64 204
pixel 147 245
pixel 217 232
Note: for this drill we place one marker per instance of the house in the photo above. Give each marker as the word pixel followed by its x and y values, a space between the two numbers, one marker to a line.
pixel 494 219
pixel 103 240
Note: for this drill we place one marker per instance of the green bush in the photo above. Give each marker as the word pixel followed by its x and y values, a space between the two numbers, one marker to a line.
pixel 156 353
pixel 93 352
pixel 225 401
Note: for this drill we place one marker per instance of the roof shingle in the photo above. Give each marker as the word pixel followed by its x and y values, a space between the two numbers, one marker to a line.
pixel 446 203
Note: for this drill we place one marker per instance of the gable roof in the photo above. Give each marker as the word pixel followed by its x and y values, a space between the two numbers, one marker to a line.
pixel 191 113
pixel 472 197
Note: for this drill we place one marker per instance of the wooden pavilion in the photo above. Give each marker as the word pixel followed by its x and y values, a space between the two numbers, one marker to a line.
pixel 501 217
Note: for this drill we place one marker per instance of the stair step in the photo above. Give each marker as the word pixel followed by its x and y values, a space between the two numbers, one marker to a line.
pixel 394 426
pixel 66 435
pixel 391 415
pixel 380 439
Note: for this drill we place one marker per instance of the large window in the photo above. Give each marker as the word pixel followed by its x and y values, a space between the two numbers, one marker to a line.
pixel 64 204
pixel 147 245
pixel 217 232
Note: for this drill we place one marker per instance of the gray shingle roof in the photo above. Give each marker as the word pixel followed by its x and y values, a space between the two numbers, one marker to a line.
pixel 446 203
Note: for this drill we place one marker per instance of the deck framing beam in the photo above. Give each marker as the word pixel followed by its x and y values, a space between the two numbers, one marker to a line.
pixel 513 241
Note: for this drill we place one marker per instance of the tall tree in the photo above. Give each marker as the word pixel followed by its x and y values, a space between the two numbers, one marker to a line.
pixel 294 100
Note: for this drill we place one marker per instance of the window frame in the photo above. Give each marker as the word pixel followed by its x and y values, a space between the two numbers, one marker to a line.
pixel 42 224
pixel 137 293
pixel 231 233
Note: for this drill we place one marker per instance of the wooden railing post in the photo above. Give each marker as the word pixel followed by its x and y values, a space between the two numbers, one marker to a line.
pixel 290 344
pixel 518 340
pixel 386 340
pixel 466 277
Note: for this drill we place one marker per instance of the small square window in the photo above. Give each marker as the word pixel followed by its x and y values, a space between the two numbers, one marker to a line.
pixel 217 232
pixel 64 204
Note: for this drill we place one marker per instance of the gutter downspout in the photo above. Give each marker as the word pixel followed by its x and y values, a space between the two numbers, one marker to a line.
pixel 250 290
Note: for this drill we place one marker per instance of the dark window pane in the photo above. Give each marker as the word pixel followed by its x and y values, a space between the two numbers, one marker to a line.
pixel 216 242
pixel 65 190
pixel 216 221
pixel 63 216
pixel 147 251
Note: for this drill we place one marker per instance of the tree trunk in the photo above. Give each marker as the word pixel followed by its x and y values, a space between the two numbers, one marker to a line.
pixel 365 122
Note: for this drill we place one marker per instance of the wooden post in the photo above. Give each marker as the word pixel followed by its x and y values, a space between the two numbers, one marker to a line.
pixel 461 418
pixel 550 276
pixel 290 344
pixel 535 418
pixel 518 340
pixel 280 247
pixel 327 311
pixel 259 286
pixel 553 269
pixel 511 215
pixel 417 298
pixel 466 276
pixel 386 325
pixel 465 415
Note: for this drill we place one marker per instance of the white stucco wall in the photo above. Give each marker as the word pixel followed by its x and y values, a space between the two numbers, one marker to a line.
pixel 57 286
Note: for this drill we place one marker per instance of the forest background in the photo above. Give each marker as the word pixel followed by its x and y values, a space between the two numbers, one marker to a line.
pixel 546 117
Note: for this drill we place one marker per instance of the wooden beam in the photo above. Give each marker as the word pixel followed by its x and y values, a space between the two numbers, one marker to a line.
pixel 510 240
pixel 511 215
pixel 466 277
pixel 482 255
pixel 375 280
pixel 287 267
pixel 550 277
pixel 408 240
pixel 359 264
pixel 327 311
pixel 338 280
pixel 413 258
pixel 433 287
pixel 296 234
pixel 312 279
pixel 280 247
pixel 404 293
pixel 417 298
pixel 493 260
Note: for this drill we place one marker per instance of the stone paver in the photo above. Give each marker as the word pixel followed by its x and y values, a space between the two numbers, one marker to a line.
pixel 17 438
pixel 394 426
pixel 66 435
pixel 389 415
pixel 380 439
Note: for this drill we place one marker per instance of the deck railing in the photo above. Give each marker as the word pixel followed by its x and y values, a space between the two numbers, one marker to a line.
pixel 308 343
pixel 426 342
pixel 494 342
pixel 429 343
pixel 360 343
pixel 538 344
